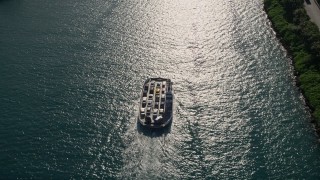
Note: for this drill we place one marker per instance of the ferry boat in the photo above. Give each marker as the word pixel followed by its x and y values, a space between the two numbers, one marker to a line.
pixel 156 103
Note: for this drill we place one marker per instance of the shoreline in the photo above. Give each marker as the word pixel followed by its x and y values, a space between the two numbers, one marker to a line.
pixel 269 6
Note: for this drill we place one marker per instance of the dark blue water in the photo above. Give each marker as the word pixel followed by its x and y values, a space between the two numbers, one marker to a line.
pixel 71 74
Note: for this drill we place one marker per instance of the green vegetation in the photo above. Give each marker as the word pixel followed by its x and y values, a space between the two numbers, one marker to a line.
pixel 301 37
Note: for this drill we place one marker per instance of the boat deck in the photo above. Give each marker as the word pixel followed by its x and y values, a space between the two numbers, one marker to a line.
pixel 156 102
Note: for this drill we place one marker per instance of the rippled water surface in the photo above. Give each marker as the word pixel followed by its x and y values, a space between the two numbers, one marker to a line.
pixel 71 73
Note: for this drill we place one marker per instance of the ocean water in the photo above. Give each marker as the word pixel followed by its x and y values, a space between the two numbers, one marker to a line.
pixel 71 73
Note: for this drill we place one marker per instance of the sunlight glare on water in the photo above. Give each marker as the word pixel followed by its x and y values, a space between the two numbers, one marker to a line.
pixel 72 75
pixel 236 102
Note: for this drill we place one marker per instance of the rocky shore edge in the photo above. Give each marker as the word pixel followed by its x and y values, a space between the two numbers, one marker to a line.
pixel 295 31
